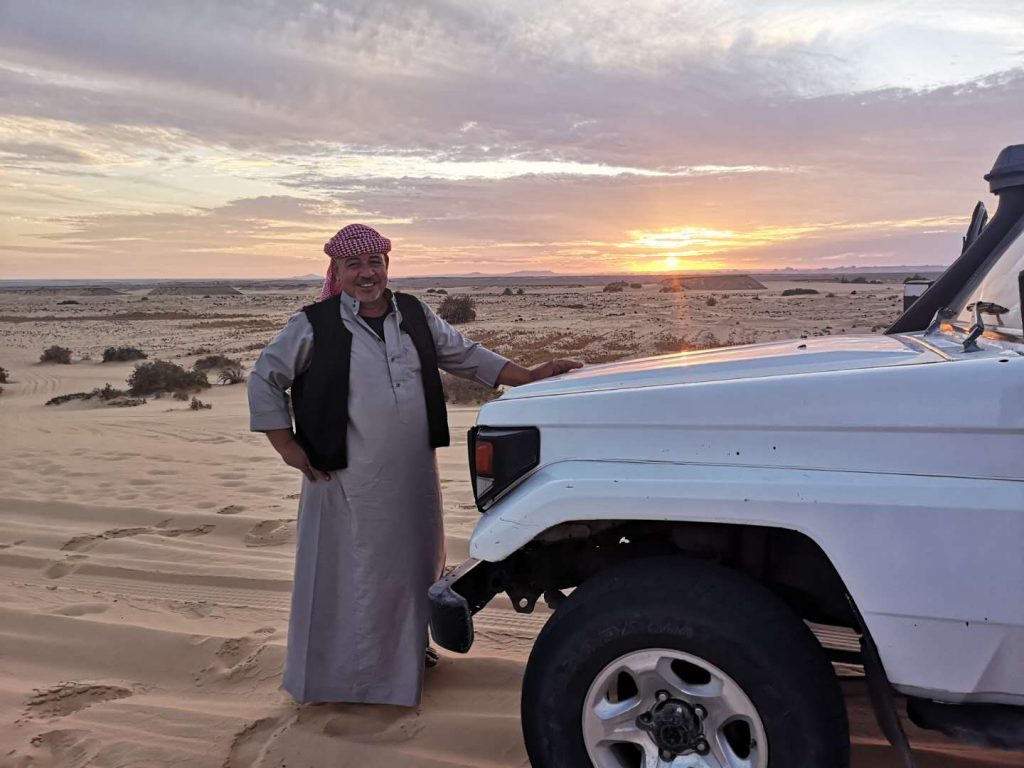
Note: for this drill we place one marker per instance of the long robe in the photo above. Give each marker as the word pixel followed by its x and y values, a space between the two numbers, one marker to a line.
pixel 370 539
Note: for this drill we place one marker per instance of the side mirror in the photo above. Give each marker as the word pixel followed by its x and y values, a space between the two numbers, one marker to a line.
pixel 913 290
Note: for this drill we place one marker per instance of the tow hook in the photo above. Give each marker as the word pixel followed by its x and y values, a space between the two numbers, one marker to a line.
pixel 675 726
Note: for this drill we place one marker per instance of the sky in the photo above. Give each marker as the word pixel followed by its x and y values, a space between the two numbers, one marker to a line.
pixel 232 138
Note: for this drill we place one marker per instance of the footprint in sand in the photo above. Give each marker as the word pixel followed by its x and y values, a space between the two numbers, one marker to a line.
pixel 237 657
pixel 67 698
pixel 61 569
pixel 70 749
pixel 251 744
pixel 193 609
pixel 271 533
pixel 384 724
pixel 87 541
pixel 17 543
pixel 199 530
pixel 81 609
pixel 231 509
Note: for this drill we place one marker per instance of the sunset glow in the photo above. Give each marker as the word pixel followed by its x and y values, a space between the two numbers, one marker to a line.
pixel 496 137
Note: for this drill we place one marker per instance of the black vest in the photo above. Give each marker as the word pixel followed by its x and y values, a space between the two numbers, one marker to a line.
pixel 320 394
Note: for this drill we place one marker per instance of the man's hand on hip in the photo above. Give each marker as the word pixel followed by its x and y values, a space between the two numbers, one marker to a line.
pixel 291 452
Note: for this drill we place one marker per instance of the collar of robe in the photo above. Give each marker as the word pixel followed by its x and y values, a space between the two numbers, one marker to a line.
pixel 353 304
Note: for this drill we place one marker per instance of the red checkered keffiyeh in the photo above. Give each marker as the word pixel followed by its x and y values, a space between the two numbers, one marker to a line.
pixel 353 240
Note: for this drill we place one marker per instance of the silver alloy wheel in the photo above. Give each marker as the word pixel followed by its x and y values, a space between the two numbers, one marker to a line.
pixel 629 687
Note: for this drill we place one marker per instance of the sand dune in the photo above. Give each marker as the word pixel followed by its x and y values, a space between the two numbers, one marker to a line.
pixel 145 570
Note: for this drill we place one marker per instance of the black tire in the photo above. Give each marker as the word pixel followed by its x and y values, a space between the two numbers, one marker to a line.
pixel 700 609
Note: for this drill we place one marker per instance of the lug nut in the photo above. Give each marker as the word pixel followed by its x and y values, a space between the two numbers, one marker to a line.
pixel 667 756
pixel 662 696
pixel 699 711
pixel 702 747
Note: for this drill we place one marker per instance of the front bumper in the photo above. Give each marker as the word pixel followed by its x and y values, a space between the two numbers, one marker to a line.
pixel 455 598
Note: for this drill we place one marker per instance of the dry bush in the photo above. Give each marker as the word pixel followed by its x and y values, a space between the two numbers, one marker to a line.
pixel 617 287
pixel 231 374
pixel 674 288
pixel 4 376
pixel 465 392
pixel 457 309
pixel 799 292
pixel 161 376
pixel 123 354
pixel 213 362
pixel 199 405
pixel 520 292
pixel 110 396
pixel 66 301
pixel 55 354
pixel 636 285
pixel 200 351
pixel 712 301
pixel 508 292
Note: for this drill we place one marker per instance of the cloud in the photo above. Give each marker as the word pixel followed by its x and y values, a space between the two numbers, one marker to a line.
pixel 502 132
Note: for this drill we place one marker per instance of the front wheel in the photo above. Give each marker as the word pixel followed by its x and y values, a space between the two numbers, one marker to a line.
pixel 671 662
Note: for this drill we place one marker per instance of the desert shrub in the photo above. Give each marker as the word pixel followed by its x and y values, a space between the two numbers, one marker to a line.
pixel 61 399
pixel 231 374
pixel 616 287
pixel 161 376
pixel 457 309
pixel 830 295
pixel 636 285
pixel 200 351
pixel 111 396
pixel 66 301
pixel 122 354
pixel 799 292
pixel 712 301
pixel 508 292
pixel 56 354
pixel 4 376
pixel 213 362
pixel 465 392
pixel 441 291
pixel 520 292
pixel 198 405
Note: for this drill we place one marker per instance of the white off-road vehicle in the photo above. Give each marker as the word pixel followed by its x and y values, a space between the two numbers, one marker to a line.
pixel 692 517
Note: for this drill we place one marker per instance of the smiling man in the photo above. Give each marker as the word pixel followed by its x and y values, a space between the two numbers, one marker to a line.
pixel 362 369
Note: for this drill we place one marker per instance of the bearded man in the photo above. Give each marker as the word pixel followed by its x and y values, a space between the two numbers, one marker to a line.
pixel 362 367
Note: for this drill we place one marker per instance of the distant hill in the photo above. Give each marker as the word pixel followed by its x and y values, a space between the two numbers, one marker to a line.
pixel 195 289
pixel 717 283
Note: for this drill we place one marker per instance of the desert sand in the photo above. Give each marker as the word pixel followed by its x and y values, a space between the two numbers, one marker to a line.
pixel 146 552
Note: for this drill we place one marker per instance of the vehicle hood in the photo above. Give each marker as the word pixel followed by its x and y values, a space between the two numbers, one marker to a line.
pixel 776 358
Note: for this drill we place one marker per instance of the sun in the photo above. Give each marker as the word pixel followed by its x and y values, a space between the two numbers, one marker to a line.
pixel 671 262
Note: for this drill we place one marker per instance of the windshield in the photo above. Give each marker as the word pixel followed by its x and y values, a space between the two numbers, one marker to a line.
pixel 996 282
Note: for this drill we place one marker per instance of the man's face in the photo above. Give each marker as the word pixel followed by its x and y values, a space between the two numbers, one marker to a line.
pixel 363 277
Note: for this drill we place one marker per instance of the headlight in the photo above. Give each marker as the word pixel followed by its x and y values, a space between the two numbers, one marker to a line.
pixel 499 457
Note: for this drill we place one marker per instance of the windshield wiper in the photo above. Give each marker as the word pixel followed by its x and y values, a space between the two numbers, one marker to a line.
pixel 981 308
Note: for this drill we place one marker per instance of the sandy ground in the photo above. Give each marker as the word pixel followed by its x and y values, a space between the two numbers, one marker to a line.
pixel 146 552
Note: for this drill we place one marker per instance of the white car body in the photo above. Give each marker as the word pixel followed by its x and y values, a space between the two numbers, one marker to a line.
pixel 868 485
pixel 901 457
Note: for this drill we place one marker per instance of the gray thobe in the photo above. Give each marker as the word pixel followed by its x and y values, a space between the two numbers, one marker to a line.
pixel 370 539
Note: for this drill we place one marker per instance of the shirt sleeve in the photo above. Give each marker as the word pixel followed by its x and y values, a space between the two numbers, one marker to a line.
pixel 460 356
pixel 284 358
